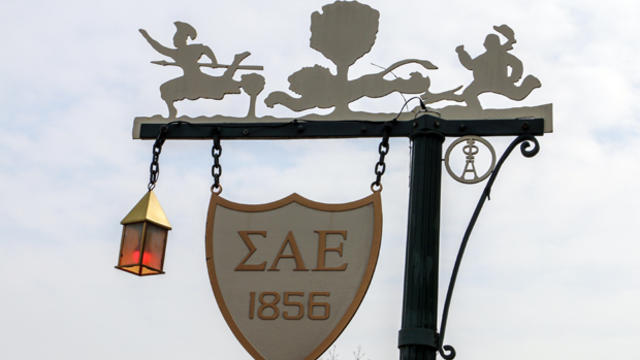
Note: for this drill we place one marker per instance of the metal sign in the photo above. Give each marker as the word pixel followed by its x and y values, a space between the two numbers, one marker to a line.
pixel 289 275
pixel 343 32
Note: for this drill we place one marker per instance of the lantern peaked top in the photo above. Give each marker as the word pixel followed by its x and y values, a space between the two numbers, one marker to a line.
pixel 147 209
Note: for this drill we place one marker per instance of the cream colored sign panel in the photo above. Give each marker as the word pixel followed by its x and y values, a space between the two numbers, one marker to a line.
pixel 288 276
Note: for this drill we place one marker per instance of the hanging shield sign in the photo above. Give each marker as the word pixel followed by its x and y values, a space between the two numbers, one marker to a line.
pixel 289 275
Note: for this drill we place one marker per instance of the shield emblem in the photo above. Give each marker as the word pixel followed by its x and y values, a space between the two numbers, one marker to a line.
pixel 289 275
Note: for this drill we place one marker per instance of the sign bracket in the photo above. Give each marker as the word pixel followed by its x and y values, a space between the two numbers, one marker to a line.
pixel 419 337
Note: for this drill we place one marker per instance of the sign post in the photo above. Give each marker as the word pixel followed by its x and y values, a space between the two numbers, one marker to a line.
pixel 418 336
pixel 301 268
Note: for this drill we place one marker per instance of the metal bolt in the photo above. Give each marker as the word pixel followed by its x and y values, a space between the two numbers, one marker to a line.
pixel 436 123
pixel 525 126
pixel 245 132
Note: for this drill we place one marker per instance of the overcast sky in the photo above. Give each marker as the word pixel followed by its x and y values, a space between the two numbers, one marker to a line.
pixel 552 268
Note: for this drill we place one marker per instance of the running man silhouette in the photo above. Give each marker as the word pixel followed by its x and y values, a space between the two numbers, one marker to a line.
pixel 496 70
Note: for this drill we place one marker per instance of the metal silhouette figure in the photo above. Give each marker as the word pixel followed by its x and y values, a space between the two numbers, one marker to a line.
pixel 195 84
pixel 343 32
pixel 344 42
pixel 496 70
pixel 318 87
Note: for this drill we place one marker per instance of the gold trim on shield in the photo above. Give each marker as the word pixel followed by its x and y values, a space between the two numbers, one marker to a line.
pixel 364 285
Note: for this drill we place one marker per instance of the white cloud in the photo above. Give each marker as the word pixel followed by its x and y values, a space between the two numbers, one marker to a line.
pixel 551 269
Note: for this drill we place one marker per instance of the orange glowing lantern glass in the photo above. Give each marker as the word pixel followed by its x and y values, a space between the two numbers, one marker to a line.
pixel 144 238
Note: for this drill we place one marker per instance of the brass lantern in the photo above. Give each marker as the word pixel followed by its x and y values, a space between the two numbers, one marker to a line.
pixel 144 238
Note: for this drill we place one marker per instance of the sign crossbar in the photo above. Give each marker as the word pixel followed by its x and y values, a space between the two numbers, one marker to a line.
pixel 303 129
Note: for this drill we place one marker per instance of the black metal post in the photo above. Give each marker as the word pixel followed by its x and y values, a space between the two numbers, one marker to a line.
pixel 417 339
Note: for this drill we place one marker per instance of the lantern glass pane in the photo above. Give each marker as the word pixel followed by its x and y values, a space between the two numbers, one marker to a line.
pixel 154 246
pixel 130 253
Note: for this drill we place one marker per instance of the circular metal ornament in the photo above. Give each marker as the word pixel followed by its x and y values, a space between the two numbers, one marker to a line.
pixel 470 150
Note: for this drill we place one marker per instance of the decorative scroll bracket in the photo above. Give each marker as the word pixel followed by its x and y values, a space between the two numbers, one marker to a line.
pixel 525 141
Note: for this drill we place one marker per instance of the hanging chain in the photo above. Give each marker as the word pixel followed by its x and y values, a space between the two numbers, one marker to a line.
pixel 380 167
pixel 383 148
pixel 216 169
pixel 154 168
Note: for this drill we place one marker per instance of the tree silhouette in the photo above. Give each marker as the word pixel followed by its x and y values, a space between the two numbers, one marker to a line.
pixel 344 32
pixel 252 84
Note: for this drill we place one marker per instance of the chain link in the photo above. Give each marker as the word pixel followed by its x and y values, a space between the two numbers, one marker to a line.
pixel 216 169
pixel 154 168
pixel 380 167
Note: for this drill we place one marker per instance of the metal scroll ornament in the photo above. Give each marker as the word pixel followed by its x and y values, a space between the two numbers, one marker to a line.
pixel 469 174
pixel 529 147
